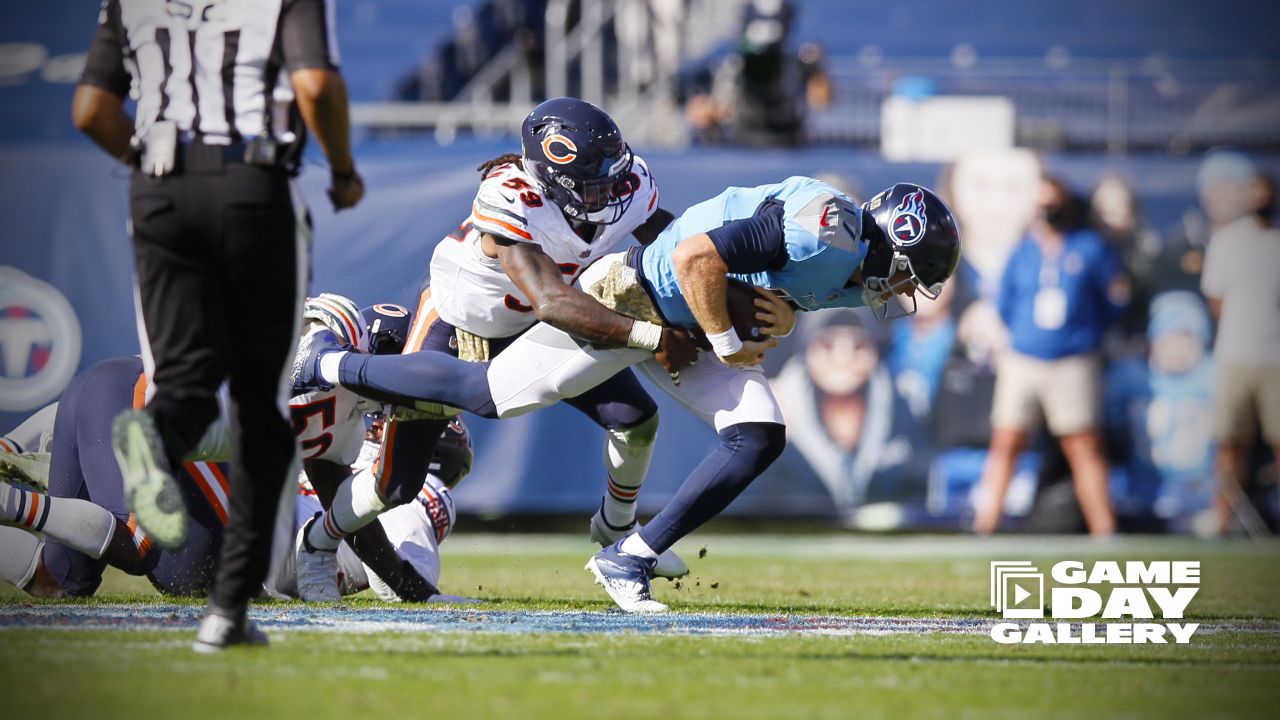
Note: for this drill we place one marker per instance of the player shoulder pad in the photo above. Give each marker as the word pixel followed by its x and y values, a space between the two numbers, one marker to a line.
pixel 498 209
pixel 647 189
pixel 827 219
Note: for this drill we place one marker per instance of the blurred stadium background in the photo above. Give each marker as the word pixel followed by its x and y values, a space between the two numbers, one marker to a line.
pixel 968 98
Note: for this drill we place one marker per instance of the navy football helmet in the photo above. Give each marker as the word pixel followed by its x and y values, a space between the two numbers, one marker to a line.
pixel 454 456
pixel 576 152
pixel 913 239
pixel 387 326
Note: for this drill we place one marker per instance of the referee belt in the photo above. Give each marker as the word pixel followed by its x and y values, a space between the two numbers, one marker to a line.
pixel 205 158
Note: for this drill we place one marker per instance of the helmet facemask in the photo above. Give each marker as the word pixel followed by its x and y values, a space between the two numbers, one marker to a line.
pixel 879 292
pixel 598 201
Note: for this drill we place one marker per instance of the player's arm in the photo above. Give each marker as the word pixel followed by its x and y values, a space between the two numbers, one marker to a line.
pixel 97 110
pixel 657 222
pixel 702 262
pixel 555 302
pixel 567 308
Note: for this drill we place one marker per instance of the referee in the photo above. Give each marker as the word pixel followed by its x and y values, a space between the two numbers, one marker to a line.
pixel 220 245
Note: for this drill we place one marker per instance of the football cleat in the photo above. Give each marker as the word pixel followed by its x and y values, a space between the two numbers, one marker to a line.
pixel 150 492
pixel 317 569
pixel 626 579
pixel 670 565
pixel 305 376
pixel 217 632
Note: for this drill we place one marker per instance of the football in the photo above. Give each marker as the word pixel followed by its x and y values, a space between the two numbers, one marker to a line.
pixel 741 298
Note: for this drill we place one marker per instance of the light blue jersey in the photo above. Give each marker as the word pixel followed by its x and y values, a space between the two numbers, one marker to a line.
pixel 822 233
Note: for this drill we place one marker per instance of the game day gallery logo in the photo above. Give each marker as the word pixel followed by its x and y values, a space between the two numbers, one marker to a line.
pixel 1134 602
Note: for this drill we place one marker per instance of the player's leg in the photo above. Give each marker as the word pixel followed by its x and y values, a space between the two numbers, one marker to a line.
pixel 629 417
pixel 540 368
pixel 396 477
pixel 741 406
pixel 88 523
pixel 19 556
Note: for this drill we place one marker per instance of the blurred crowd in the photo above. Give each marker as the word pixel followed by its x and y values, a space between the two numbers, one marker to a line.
pixel 1083 371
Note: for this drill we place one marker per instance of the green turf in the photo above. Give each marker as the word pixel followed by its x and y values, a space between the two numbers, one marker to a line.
pixel 105 674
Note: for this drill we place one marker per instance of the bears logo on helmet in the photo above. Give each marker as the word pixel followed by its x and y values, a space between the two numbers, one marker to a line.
pixel 560 158
pixel 388 327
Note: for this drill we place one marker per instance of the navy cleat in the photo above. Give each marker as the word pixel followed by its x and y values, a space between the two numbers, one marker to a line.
pixel 626 579
pixel 670 565
pixel 220 630
pixel 305 376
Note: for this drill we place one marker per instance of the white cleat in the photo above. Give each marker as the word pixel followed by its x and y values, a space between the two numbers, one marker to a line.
pixel 317 570
pixel 626 579
pixel 670 565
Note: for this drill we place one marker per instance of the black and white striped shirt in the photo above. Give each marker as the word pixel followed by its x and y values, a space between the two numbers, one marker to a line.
pixel 210 65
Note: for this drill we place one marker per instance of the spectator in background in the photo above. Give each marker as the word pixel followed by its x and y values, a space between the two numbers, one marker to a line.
pixel 1158 415
pixel 1225 183
pixel 1242 284
pixel 1059 291
pixel 1115 214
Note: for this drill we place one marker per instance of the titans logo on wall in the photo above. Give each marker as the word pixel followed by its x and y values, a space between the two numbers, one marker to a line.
pixel 39 341
pixel 908 221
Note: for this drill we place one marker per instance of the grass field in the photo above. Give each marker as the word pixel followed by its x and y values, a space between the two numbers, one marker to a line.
pixel 866 641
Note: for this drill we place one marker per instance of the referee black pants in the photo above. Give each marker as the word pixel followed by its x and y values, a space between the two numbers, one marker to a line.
pixel 221 265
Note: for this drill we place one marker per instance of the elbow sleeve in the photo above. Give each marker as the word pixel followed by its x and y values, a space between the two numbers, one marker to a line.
pixel 753 244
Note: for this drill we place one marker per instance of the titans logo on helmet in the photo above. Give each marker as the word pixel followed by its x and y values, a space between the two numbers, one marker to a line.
pixel 908 221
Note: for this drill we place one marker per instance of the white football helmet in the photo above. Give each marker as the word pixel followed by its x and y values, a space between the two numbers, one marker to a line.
pixel 341 315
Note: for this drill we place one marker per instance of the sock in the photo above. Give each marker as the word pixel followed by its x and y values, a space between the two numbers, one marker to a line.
pixel 78 524
pixel 431 377
pixel 635 545
pixel 745 451
pixel 627 452
pixel 355 505
pixel 19 555
pixel 329 364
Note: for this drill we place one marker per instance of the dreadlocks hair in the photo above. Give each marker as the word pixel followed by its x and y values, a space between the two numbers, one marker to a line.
pixel 504 159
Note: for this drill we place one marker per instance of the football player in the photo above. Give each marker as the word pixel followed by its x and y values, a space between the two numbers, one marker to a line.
pixel 575 194
pixel 804 241
pixel 83 514
pixel 398 557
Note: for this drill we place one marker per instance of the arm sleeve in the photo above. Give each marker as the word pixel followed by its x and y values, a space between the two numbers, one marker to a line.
pixel 104 67
pixel 753 244
pixel 307 35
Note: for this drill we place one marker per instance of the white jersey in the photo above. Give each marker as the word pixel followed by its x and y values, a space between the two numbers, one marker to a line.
pixel 471 291
pixel 329 424
pixel 414 529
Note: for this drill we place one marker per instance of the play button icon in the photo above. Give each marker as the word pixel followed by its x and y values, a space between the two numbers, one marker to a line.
pixel 1019 594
